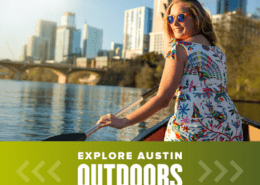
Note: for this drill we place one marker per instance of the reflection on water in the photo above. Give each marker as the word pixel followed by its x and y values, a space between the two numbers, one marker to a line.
pixel 36 110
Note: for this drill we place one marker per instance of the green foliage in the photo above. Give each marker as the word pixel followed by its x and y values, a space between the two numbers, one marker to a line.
pixel 249 71
pixel 114 75
pixel 242 48
pixel 144 71
pixel 5 70
pixel 152 59
pixel 145 78
pixel 40 75
pixel 111 78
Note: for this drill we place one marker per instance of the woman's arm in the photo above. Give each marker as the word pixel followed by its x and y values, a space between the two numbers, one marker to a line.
pixel 170 80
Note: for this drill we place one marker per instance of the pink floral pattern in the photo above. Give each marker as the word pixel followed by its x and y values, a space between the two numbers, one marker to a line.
pixel 203 109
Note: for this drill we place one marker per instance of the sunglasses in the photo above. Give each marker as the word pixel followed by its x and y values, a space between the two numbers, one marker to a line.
pixel 180 18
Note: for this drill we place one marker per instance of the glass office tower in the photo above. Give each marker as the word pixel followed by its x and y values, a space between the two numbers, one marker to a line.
pixel 67 38
pixel 92 41
pixel 231 5
pixel 138 24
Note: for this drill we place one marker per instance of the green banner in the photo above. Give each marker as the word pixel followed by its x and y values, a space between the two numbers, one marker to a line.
pixel 127 163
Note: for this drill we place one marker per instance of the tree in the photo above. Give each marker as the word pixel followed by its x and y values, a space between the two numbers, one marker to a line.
pixel 236 35
pixel 249 71
pixel 143 71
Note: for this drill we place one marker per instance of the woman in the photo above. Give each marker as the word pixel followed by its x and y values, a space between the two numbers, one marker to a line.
pixel 196 70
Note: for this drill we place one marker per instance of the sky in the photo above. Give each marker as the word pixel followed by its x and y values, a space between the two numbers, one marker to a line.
pixel 18 18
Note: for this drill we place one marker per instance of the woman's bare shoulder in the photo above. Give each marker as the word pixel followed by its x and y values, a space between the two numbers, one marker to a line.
pixel 182 54
pixel 200 39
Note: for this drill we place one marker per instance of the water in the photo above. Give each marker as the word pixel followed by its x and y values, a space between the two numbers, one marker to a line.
pixel 33 111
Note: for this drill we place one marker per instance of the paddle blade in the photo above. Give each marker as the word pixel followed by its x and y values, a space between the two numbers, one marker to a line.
pixel 68 137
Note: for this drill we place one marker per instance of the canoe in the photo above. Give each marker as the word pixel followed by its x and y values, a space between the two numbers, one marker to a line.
pixel 156 133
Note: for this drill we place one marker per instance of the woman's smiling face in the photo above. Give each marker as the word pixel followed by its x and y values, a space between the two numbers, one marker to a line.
pixel 182 30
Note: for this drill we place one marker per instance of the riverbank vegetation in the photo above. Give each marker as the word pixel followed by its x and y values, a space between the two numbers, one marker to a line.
pixel 142 72
pixel 240 41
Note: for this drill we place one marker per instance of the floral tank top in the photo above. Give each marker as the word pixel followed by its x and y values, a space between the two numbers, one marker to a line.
pixel 203 109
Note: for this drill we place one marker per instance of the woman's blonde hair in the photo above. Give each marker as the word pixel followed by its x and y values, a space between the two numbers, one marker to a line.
pixel 202 19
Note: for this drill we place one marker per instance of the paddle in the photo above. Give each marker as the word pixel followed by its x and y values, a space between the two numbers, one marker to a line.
pixel 83 136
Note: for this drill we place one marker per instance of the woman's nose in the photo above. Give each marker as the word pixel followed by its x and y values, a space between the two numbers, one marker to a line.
pixel 175 22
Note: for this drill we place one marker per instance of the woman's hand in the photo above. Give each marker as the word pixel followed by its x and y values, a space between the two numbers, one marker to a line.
pixel 112 121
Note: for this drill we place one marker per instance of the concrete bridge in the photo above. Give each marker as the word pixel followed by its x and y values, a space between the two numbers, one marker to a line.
pixel 63 71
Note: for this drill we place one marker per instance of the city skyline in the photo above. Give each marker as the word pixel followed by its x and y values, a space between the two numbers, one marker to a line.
pixel 19 19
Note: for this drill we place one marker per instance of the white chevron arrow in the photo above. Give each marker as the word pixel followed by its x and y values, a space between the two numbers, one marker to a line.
pixel 19 171
pixel 206 168
pixel 239 171
pixel 223 171
pixel 51 171
pixel 36 169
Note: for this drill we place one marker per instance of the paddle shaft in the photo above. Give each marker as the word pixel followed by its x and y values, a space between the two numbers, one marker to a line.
pixel 126 108
pixel 83 136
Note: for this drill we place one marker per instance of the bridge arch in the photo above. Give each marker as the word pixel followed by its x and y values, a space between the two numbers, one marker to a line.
pixel 85 77
pixel 62 75
pixel 17 72
pixel 62 71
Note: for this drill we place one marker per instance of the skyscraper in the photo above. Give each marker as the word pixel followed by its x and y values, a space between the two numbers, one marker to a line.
pixel 157 40
pixel 137 26
pixel 116 49
pixel 23 57
pixel 38 48
pixel 47 29
pixel 68 19
pixel 67 38
pixel 42 45
pixel 92 41
pixel 231 5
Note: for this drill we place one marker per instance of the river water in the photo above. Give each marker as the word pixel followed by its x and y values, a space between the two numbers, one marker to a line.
pixel 33 111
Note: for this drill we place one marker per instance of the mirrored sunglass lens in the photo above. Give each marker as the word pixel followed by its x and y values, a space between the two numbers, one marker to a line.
pixel 181 17
pixel 170 19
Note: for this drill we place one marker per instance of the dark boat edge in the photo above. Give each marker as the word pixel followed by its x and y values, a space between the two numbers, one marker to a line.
pixel 156 133
pixel 152 132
